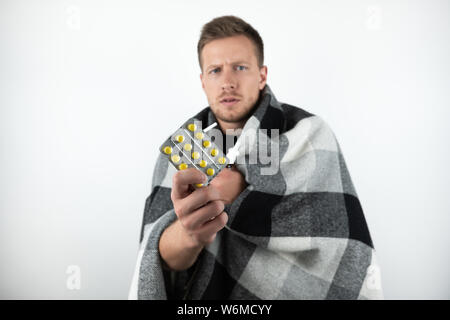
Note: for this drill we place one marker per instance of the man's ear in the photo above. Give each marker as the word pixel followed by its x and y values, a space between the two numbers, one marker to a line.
pixel 263 77
pixel 201 80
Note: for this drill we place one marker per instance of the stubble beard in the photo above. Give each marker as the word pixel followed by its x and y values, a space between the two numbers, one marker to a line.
pixel 238 117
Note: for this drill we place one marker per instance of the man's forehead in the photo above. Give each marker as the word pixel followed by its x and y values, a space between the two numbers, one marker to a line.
pixel 232 50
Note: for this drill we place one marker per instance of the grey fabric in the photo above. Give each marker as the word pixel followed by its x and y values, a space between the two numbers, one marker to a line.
pixel 297 233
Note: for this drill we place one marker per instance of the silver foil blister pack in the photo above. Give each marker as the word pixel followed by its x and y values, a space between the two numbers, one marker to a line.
pixel 191 147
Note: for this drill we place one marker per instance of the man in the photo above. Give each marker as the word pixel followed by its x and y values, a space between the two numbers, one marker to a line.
pixel 295 233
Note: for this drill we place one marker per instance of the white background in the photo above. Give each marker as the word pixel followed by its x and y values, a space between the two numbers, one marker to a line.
pixel 89 90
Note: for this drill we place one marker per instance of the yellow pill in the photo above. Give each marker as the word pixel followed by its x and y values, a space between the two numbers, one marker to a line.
pixel 195 155
pixel 203 163
pixel 199 185
pixel 179 138
pixel 175 158
pixel 222 160
pixel 206 143
pixel 192 127
pixel 167 150
pixel 183 166
pixel 199 135
pixel 188 147
pixel 210 171
pixel 214 152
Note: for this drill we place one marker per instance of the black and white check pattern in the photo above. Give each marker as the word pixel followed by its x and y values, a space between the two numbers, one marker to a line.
pixel 297 234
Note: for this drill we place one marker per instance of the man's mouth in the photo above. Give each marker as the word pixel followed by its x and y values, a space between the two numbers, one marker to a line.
pixel 229 101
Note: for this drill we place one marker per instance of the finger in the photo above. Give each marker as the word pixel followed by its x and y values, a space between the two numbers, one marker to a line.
pixel 203 215
pixel 213 226
pixel 182 179
pixel 197 199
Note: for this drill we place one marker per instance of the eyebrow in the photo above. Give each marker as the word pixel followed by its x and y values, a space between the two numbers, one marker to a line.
pixel 218 65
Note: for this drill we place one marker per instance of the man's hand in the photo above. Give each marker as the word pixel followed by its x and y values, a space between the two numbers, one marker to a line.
pixel 200 214
pixel 230 183
pixel 200 211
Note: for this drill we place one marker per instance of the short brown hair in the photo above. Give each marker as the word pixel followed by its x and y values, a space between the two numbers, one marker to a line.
pixel 228 26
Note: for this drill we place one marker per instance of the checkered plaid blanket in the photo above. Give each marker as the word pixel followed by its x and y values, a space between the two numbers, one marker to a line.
pixel 298 233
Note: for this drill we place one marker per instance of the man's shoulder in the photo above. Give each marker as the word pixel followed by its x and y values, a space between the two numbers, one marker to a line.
pixel 294 115
pixel 203 115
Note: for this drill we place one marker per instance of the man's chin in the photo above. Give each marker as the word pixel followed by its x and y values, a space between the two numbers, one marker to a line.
pixel 230 119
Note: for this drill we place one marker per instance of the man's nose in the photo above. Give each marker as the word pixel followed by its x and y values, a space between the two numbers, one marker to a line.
pixel 229 80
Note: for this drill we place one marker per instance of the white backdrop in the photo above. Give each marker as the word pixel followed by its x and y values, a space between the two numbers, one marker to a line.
pixel 89 89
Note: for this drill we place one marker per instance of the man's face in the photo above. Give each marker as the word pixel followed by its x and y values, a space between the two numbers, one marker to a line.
pixel 230 70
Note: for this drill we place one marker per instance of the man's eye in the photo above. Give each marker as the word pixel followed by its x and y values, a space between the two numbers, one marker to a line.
pixel 243 67
pixel 212 71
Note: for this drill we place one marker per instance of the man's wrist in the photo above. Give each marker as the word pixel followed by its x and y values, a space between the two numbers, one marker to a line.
pixel 188 242
pixel 177 251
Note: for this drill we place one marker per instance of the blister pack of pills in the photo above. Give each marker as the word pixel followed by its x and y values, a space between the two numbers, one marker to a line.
pixel 192 147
